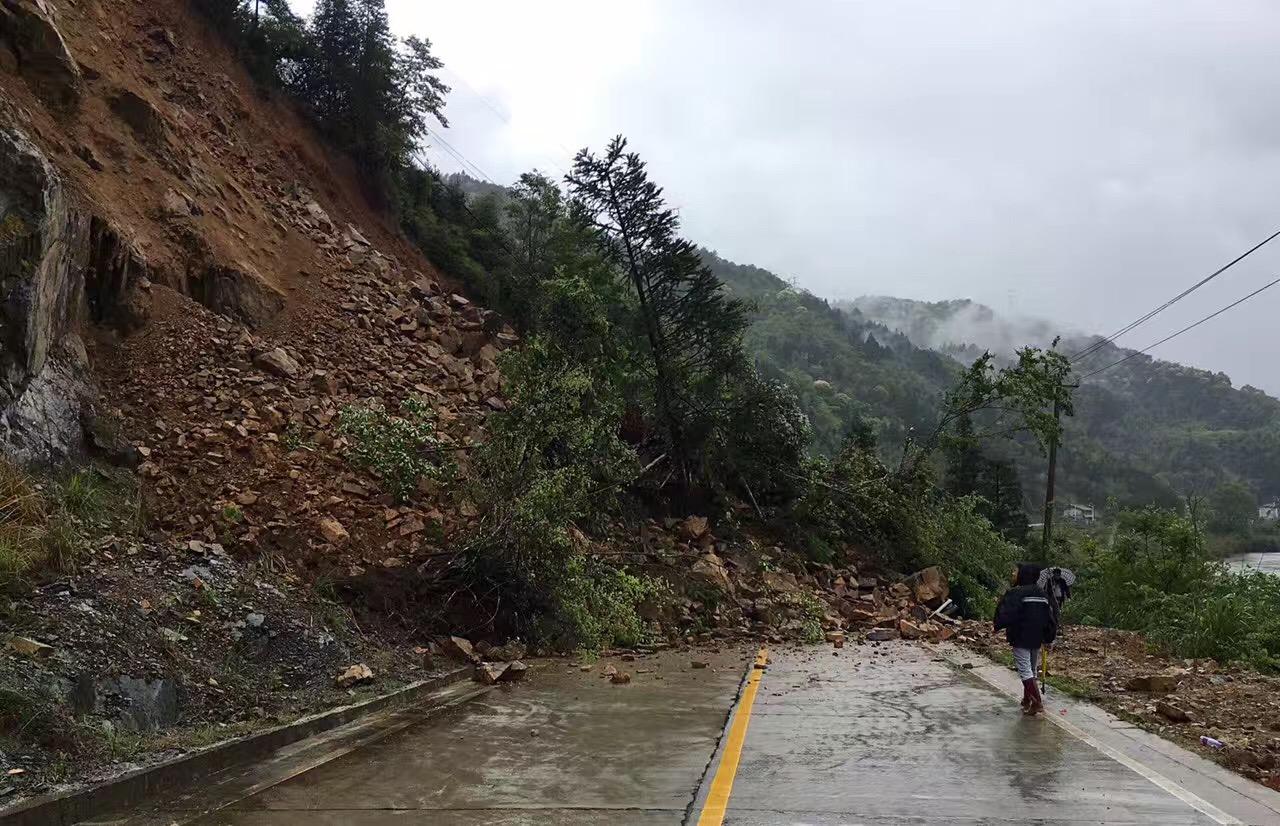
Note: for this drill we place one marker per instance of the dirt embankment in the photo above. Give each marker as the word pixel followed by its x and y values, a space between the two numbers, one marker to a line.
pixel 1180 699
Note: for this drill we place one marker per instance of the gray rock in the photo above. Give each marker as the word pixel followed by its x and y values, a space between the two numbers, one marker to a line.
pixel 278 363
pixel 136 704
pixel 43 256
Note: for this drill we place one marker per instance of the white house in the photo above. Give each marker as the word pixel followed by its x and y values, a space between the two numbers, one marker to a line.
pixel 1270 511
pixel 1079 513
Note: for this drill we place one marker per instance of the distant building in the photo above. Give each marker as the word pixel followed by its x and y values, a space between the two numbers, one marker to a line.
pixel 1083 514
pixel 1270 511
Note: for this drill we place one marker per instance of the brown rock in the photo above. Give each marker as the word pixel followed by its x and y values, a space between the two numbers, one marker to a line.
pixel 836 638
pixel 1171 712
pixel 459 648
pixel 941 633
pixel 29 648
pixel 882 634
pixel 929 586
pixel 711 570
pixel 332 531
pixel 621 678
pixel 911 630
pixel 858 614
pixel 693 527
pixel 698 664
pixel 779 581
pixel 1154 683
pixel 355 675
pixel 489 673
pixel 515 672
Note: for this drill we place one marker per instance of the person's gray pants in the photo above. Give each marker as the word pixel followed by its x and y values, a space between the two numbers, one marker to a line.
pixel 1024 659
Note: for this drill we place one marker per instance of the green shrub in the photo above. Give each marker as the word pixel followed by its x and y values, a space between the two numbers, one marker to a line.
pixel 1157 577
pixel 976 558
pixel 554 463
pixel 400 450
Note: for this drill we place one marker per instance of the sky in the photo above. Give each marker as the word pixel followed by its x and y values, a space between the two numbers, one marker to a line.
pixel 1078 160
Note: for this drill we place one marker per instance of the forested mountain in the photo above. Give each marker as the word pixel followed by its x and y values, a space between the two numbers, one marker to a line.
pixel 1145 431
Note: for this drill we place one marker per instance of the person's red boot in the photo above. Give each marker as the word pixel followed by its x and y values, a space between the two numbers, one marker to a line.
pixel 1026 693
pixel 1037 703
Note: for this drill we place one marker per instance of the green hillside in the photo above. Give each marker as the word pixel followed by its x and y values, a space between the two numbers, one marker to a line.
pixel 1146 431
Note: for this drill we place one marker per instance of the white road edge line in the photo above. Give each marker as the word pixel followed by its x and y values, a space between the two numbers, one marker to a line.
pixel 1194 801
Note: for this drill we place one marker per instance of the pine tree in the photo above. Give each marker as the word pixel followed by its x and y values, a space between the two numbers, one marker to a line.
pixel 964 460
pixel 693 329
pixel 327 78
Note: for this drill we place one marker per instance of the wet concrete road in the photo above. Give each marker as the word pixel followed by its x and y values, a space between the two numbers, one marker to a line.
pixel 566 748
pixel 894 735
pixel 875 735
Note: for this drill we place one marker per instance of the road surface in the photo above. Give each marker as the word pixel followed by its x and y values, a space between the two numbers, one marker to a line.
pixel 870 735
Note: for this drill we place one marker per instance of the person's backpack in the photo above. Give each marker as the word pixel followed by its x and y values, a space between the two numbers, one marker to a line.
pixel 1056 584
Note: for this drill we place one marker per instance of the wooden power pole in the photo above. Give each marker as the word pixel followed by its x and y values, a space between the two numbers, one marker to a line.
pixel 1053 471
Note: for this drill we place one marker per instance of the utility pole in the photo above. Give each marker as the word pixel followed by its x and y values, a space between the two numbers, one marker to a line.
pixel 1053 472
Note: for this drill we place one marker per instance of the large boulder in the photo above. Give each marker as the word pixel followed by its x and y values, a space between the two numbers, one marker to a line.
pixel 929 586
pixel 710 570
pixel 30 37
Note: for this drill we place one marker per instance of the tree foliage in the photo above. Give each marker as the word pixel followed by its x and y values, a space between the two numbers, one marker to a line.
pixel 693 328
pixel 371 93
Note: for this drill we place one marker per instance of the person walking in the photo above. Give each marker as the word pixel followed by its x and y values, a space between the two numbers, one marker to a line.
pixel 1028 622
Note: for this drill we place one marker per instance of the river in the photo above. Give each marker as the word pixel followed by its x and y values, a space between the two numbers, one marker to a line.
pixel 1267 563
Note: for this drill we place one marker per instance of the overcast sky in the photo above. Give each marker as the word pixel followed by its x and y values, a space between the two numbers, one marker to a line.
pixel 1081 161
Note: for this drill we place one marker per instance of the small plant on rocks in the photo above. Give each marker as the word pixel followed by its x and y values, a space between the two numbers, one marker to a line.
pixel 400 450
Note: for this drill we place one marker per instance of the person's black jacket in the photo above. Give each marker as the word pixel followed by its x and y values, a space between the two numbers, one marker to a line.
pixel 1024 612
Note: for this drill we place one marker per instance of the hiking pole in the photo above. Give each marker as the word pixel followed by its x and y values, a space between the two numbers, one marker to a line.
pixel 1044 669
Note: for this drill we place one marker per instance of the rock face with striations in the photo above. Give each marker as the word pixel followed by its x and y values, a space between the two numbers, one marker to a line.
pixel 44 245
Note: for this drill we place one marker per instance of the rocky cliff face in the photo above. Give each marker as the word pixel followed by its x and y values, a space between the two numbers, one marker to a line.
pixel 42 252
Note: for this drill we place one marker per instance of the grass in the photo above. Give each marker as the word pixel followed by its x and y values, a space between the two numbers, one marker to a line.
pixel 1071 686
pixel 46 525
pixel 1067 685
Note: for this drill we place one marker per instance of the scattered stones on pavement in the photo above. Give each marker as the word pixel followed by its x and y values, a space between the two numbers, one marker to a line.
pixel 489 673
pixel 514 672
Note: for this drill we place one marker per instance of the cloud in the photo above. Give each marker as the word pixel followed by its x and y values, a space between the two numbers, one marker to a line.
pixel 1079 160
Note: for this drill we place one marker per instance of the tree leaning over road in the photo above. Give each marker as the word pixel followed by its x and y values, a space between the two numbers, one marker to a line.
pixel 693 327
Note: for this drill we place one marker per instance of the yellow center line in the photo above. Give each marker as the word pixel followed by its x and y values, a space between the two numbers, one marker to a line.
pixel 722 784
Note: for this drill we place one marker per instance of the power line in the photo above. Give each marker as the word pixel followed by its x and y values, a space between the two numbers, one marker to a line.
pixel 505 118
pixel 460 158
pixel 1098 345
pixel 1184 329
